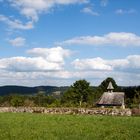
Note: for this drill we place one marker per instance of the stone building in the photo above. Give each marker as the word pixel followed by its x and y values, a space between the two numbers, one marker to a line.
pixel 111 98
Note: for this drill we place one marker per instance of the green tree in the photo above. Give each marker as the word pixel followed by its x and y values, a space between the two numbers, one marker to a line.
pixel 78 93
pixel 136 99
pixel 39 98
pixel 103 86
pixel 17 101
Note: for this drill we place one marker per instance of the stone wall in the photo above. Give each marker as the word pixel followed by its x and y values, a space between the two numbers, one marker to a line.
pixel 92 111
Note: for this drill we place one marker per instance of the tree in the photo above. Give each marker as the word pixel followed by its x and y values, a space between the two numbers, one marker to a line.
pixel 40 97
pixel 79 92
pixel 1 100
pixel 136 99
pixel 103 86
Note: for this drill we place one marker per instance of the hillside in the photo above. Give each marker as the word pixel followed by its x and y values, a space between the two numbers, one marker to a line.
pixel 22 90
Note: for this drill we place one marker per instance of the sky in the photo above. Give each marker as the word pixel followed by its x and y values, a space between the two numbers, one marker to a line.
pixel 56 42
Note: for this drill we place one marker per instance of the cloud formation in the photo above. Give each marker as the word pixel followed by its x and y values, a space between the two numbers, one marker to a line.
pixel 88 10
pixel 46 60
pixel 65 78
pixel 130 63
pixel 18 42
pixel 32 8
pixel 115 39
pixel 55 55
pixel 47 66
pixel 16 24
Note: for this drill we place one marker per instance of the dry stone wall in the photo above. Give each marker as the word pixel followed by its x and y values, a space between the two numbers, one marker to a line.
pixel 92 111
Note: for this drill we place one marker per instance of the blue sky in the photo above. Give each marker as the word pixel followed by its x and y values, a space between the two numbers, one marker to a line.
pixel 55 42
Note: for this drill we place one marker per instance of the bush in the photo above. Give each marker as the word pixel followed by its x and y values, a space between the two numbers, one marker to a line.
pixel 17 101
pixel 29 103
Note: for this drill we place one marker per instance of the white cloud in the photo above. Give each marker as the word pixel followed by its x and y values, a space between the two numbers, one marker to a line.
pixel 18 42
pixel 62 78
pixel 32 8
pixel 123 11
pixel 104 3
pixel 46 60
pixel 129 64
pixel 91 64
pixel 121 78
pixel 16 24
pixel 28 64
pixel 88 10
pixel 114 39
pixel 57 78
pixel 56 54
pixel 134 61
pixel 31 71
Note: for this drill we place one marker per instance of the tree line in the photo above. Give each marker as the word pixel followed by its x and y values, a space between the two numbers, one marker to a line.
pixel 79 94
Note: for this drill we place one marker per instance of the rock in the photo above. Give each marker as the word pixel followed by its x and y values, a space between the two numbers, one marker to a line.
pixel 92 111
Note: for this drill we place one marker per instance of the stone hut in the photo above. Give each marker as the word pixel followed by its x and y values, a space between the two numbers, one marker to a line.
pixel 111 98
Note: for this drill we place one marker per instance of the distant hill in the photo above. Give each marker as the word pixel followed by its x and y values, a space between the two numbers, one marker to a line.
pixel 22 90
pixel 54 90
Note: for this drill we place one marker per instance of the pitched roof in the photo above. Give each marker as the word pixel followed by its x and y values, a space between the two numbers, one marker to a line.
pixel 110 86
pixel 112 99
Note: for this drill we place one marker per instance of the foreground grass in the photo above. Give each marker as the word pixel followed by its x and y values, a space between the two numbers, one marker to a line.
pixel 22 126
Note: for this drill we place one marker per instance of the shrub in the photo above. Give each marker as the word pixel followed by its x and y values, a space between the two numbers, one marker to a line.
pixel 17 101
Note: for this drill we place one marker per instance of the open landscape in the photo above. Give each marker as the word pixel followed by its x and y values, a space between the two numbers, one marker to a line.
pixel 25 126
pixel 69 69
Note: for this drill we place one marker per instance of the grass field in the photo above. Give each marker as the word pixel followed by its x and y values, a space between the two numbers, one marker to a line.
pixel 22 126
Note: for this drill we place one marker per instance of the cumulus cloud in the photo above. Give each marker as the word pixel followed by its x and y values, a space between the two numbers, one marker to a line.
pixel 28 64
pixel 89 64
pixel 56 54
pixel 16 24
pixel 18 42
pixel 113 38
pixel 123 11
pixel 61 78
pixel 58 78
pixel 40 70
pixel 88 10
pixel 46 60
pixel 32 8
pixel 130 63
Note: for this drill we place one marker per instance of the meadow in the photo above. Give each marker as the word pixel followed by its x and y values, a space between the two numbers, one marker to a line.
pixel 25 126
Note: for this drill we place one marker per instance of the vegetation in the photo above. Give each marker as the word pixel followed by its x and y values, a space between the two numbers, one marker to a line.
pixel 79 94
pixel 103 86
pixel 67 127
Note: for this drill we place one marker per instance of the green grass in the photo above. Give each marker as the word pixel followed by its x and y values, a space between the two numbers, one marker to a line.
pixel 22 126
